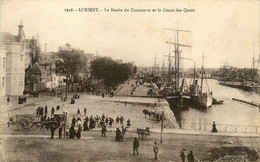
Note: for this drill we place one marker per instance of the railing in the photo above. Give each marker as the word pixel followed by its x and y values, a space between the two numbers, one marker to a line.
pixel 220 127
pixel 200 127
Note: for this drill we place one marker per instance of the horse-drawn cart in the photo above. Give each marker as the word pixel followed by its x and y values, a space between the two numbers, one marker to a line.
pixel 23 121
pixel 143 133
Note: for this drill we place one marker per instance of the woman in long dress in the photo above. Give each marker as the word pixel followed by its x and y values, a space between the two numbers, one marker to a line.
pixel 79 132
pixel 72 132
pixel 85 124
pixel 214 128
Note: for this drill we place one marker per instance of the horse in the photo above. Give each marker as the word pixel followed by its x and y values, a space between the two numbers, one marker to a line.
pixel 147 112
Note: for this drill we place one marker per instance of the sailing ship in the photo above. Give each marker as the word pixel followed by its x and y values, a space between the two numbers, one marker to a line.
pixel 175 93
pixel 199 98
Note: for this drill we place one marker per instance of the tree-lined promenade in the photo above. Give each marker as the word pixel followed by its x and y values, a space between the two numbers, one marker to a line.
pixel 104 71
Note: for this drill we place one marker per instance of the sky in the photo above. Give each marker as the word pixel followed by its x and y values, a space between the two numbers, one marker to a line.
pixel 223 30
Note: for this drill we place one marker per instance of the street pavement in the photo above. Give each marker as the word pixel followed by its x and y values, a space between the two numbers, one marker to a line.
pixel 204 144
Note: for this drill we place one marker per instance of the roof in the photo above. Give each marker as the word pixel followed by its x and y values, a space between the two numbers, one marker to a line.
pixel 45 59
pixel 36 69
pixel 8 37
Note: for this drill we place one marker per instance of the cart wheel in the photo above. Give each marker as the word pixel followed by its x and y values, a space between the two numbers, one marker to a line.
pixel 24 124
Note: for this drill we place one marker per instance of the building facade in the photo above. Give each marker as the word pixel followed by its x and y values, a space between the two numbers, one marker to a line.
pixel 2 72
pixel 13 47
pixel 35 79
pixel 16 53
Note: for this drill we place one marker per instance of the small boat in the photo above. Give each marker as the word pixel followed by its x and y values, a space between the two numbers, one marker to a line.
pixel 216 102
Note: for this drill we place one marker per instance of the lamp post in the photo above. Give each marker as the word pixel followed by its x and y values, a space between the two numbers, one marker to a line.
pixel 162 118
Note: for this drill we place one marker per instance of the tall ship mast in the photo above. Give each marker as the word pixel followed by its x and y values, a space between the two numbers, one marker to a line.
pixel 174 91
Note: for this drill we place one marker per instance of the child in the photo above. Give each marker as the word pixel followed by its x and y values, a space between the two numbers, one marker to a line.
pixel 67 133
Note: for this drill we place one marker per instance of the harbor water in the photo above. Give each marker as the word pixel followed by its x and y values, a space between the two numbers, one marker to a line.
pixel 230 112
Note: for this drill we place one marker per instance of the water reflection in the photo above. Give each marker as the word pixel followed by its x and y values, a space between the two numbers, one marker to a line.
pixel 230 112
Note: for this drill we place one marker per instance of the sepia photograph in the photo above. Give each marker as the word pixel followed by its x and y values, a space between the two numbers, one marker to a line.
pixel 128 81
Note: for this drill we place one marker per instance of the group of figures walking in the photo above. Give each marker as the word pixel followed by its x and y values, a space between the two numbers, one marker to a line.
pixel 190 156
pixel 135 86
pixel 74 97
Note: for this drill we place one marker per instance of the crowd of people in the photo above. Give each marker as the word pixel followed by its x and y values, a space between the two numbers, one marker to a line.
pixel 134 86
pixel 100 121
pixel 77 126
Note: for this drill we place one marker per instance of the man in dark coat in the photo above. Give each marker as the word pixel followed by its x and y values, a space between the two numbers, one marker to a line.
pixel 128 123
pixel 190 157
pixel 103 130
pixel 111 121
pixel 106 120
pixel 8 100
pixel 121 120
pixel 117 120
pixel 78 112
pixel 46 110
pixel 103 117
pixel 20 100
pixel 60 132
pixel 52 110
pixel 85 111
pixel 183 155
pixel 37 112
pixel 136 144
pixel 41 111
pixel 118 135
pixel 52 131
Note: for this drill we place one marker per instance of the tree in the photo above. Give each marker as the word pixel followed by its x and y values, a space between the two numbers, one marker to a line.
pixel 71 62
pixel 111 73
pixel 34 51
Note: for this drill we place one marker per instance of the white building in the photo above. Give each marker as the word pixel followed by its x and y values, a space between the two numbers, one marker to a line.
pixel 3 72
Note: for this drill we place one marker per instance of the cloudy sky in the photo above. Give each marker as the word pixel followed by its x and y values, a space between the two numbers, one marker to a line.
pixel 224 30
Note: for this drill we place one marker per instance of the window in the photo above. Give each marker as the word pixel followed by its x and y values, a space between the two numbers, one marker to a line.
pixel 4 62
pixel 3 82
